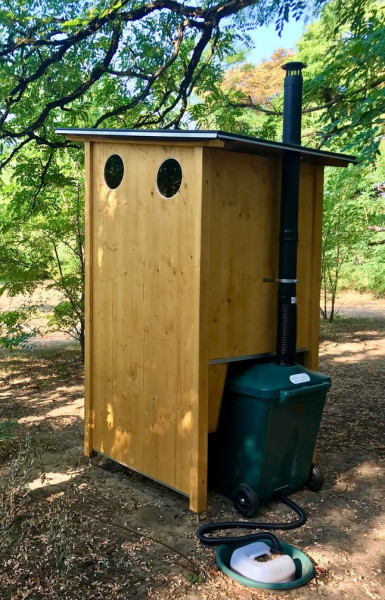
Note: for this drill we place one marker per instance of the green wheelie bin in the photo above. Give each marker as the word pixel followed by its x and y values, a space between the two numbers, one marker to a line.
pixel 267 431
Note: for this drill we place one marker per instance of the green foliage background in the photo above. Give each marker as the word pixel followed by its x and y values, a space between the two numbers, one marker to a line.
pixel 144 65
pixel 344 100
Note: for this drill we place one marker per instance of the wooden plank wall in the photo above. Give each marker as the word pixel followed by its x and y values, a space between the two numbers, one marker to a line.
pixel 244 195
pixel 310 256
pixel 243 191
pixel 146 313
pixel 174 283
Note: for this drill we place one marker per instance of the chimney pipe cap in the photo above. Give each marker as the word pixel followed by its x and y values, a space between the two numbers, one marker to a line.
pixel 293 68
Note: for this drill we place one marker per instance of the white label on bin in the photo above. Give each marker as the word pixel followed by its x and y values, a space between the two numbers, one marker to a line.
pixel 300 378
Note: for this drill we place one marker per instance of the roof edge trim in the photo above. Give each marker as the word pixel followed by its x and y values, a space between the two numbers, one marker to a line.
pixel 202 135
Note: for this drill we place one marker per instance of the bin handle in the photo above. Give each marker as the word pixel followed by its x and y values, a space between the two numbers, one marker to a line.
pixel 284 394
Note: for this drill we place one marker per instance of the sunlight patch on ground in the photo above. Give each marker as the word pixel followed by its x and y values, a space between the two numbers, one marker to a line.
pixel 51 478
pixel 73 389
pixel 352 352
pixel 355 358
pixel 73 408
pixel 31 419
pixel 20 380
pixel 368 469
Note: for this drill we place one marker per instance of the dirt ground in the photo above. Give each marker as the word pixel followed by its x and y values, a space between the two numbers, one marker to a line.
pixel 101 531
pixel 359 304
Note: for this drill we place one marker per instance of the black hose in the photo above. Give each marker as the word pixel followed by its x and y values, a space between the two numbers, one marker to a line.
pixel 252 537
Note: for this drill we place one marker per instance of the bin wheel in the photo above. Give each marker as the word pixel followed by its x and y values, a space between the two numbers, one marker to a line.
pixel 316 478
pixel 246 500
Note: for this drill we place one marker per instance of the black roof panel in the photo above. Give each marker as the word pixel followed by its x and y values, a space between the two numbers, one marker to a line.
pixel 232 141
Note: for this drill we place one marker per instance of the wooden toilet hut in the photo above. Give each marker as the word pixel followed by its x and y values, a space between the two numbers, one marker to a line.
pixel 181 232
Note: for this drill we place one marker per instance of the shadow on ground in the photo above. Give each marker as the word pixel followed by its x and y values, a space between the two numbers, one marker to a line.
pixel 122 535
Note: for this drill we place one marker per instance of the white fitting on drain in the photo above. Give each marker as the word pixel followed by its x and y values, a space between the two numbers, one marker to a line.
pixel 280 569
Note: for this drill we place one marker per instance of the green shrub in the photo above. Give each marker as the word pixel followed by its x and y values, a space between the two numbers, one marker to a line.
pixel 13 329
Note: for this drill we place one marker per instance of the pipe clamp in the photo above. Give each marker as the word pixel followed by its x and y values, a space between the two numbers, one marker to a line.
pixel 275 280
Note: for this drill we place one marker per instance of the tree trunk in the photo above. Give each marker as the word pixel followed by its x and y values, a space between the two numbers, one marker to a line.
pixel 81 337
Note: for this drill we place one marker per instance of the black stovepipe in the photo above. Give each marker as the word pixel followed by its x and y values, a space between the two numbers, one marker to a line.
pixel 288 236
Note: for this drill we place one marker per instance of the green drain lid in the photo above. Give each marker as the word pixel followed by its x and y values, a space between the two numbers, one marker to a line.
pixel 304 567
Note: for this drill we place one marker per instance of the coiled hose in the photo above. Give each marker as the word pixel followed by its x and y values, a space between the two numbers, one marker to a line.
pixel 252 537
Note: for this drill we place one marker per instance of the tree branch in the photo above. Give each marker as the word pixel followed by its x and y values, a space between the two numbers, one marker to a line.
pixel 192 65
pixel 151 80
pixel 176 122
pixel 40 187
pixel 63 285
pixel 338 98
pixel 257 107
pixel 35 51
pixel 96 74
pixel 183 91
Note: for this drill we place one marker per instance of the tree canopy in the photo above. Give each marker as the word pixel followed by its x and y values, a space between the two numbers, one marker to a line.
pixel 105 63
pixel 344 83
pixel 157 64
pixel 345 50
pixel 131 63
pixel 261 83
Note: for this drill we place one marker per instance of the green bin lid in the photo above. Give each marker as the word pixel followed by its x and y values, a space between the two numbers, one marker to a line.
pixel 266 380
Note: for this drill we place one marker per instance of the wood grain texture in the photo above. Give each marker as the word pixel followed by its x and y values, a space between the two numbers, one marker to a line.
pixel 312 357
pixel 305 249
pixel 244 194
pixel 174 283
pixel 217 378
pixel 198 475
pixel 146 315
pixel 89 415
pixel 243 191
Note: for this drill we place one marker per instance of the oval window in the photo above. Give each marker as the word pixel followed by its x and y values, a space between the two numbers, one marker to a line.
pixel 169 178
pixel 113 171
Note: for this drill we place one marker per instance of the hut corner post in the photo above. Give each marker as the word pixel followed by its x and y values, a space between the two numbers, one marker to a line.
pixel 199 467
pixel 312 356
pixel 88 359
